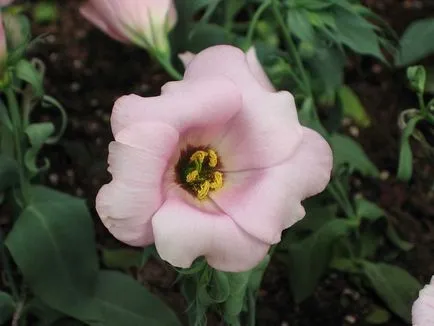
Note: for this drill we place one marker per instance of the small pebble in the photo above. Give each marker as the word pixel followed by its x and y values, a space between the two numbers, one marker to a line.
pixel 75 87
pixel 350 319
pixel 384 175
pixel 54 178
pixel 354 131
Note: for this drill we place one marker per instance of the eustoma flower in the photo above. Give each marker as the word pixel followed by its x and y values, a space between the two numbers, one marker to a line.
pixel 423 308
pixel 143 22
pixel 216 166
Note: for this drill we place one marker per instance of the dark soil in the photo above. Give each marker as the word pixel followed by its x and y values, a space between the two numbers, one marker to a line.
pixel 87 71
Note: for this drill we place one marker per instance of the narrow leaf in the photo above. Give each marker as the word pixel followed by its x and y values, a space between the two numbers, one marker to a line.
pixel 395 286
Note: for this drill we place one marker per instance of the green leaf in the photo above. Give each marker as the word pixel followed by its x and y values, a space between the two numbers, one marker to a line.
pixel 206 35
pixel 9 172
pixel 27 72
pixel 38 133
pixel 356 33
pixel 395 286
pixel 416 43
pixel 394 238
pixel 121 258
pixel 417 77
pixel 346 151
pixel 309 118
pixel 368 210
pixel 352 107
pixel 56 230
pixel 238 283
pixel 123 301
pixel 377 316
pixel 45 12
pixel 299 25
pixel 7 307
pixel 328 65
pixel 405 168
pixel 309 258
pixel 4 116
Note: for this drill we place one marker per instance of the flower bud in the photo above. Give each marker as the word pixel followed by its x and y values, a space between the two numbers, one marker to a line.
pixel 145 23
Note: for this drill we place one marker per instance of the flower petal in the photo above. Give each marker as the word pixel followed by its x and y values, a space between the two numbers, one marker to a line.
pixel 224 60
pixel 257 70
pixel 183 105
pixel 183 232
pixel 265 133
pixel 423 308
pixel 137 161
pixel 103 19
pixel 265 201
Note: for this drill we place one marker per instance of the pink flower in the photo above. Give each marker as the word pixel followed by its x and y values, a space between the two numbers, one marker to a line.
pixel 423 307
pixel 216 166
pixel 252 60
pixel 3 45
pixel 4 3
pixel 143 22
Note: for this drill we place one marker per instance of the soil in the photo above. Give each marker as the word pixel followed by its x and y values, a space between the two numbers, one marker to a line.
pixel 87 71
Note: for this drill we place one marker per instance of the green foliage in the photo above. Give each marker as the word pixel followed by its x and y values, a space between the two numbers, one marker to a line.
pixel 27 72
pixel 122 301
pixel 347 152
pixel 377 316
pixel 45 12
pixel 352 107
pixel 7 307
pixel 9 172
pixel 417 77
pixel 405 169
pixel 308 259
pixel 416 43
pixel 394 285
pixel 56 229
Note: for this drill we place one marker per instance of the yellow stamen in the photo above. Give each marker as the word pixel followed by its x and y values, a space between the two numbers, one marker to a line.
pixel 198 156
pixel 218 181
pixel 213 158
pixel 192 176
pixel 204 190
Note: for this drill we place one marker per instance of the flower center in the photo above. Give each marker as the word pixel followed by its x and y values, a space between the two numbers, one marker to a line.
pixel 198 171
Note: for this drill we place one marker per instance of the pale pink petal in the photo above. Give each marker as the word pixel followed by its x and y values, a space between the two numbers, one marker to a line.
pixel 423 307
pixel 265 133
pixel 224 60
pixel 186 58
pixel 137 163
pixel 183 105
pixel 4 3
pixel 103 19
pixel 183 233
pixel 257 70
pixel 265 201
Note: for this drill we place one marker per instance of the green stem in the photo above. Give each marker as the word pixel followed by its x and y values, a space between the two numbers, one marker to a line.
pixel 252 308
pixel 167 65
pixel 290 45
pixel 18 133
pixel 422 105
pixel 7 268
pixel 254 22
pixel 348 209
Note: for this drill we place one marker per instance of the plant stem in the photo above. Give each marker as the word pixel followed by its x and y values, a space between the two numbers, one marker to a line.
pixel 290 45
pixel 254 22
pixel 252 308
pixel 167 65
pixel 422 105
pixel 18 133
pixel 7 268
